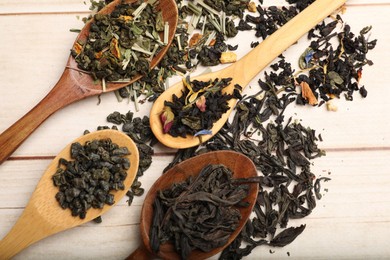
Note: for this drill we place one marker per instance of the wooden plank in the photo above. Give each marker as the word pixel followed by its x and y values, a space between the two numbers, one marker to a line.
pixel 8 7
pixel 44 6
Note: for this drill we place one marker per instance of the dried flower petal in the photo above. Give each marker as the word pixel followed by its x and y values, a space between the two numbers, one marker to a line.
pixel 115 48
pixel 201 103
pixel 126 18
pixel 166 118
pixel 195 39
pixel 203 132
pixel 359 74
pixel 308 94
pixel 77 47
pixel 99 54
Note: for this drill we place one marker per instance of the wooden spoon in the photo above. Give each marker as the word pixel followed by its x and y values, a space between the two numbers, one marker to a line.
pixel 244 70
pixel 75 85
pixel 241 166
pixel 43 215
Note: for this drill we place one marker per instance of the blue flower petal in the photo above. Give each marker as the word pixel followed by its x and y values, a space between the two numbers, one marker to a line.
pixel 203 132
pixel 308 57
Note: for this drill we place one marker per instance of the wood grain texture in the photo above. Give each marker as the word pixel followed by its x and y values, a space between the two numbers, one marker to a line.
pixel 351 221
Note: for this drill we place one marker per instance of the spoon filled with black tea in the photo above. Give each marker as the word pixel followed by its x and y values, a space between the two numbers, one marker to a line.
pixel 198 207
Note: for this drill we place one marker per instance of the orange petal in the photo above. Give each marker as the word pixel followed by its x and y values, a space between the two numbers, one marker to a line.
pixel 77 47
pixel 99 54
pixel 308 94
pixel 115 48
pixel 126 17
pixel 195 39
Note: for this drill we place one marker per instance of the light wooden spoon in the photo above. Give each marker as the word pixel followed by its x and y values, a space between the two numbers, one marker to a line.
pixel 244 70
pixel 43 215
pixel 241 166
pixel 75 85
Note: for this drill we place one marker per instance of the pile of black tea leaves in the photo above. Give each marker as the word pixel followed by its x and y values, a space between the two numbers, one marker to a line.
pixel 282 148
pixel 121 45
pixel 282 153
pixel 199 213
pixel 200 105
pixel 87 180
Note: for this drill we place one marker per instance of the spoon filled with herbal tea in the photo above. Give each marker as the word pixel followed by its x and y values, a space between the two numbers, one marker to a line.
pixel 83 181
pixel 120 42
pixel 198 207
pixel 200 106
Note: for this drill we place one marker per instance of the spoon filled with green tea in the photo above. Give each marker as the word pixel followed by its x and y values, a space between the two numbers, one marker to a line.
pixel 76 188
pixel 198 207
pixel 240 72
pixel 108 60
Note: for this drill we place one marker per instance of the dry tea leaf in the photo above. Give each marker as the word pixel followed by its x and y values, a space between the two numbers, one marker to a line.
pixel 308 94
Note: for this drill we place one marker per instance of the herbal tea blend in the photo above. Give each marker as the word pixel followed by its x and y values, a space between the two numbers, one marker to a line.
pixel 121 45
pixel 96 169
pixel 198 108
pixel 199 213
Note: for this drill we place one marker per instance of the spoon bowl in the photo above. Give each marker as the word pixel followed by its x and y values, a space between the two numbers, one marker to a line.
pixel 239 164
pixel 43 215
pixel 244 70
pixel 75 84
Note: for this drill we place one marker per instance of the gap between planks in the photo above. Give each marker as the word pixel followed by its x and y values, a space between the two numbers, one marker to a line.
pixel 350 149
pixel 89 12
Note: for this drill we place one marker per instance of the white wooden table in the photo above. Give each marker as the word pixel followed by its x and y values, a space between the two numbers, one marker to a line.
pixel 352 220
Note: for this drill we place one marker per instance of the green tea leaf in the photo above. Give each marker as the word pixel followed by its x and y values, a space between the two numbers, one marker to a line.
pixel 335 77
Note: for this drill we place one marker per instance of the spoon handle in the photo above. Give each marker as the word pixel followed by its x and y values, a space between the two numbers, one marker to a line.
pixel 62 94
pixel 26 231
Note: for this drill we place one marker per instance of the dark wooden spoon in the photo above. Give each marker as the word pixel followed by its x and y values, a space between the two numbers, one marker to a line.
pixel 241 166
pixel 75 85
